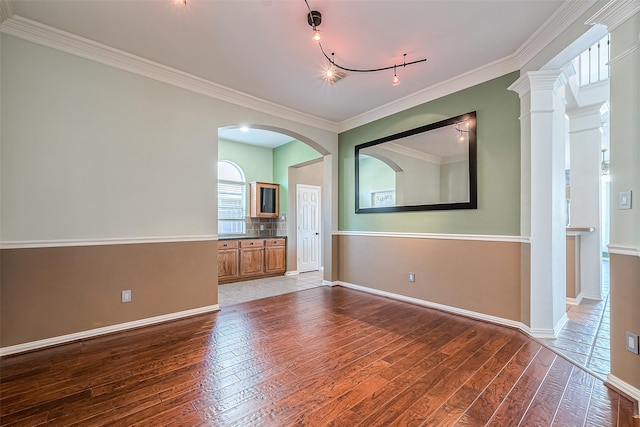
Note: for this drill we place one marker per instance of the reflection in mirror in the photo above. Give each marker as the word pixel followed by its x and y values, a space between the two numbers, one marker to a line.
pixel 430 167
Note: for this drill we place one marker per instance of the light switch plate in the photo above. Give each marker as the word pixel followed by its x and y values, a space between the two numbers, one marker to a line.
pixel 624 200
pixel 631 342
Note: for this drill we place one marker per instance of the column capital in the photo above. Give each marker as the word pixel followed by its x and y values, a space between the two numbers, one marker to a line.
pixel 598 109
pixel 551 80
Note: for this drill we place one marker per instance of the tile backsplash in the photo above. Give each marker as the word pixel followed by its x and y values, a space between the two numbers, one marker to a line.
pixel 266 227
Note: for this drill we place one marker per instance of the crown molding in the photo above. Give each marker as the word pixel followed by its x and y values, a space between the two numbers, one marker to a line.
pixel 61 40
pixel 6 11
pixel 566 14
pixel 615 13
pixel 463 81
pixel 85 48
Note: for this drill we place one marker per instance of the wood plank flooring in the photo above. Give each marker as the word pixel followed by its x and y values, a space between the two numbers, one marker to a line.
pixel 323 356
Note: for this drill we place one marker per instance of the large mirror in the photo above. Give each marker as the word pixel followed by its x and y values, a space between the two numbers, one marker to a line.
pixel 432 167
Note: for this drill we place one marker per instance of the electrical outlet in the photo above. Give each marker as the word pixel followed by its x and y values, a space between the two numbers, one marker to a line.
pixel 126 295
pixel 412 277
pixel 632 342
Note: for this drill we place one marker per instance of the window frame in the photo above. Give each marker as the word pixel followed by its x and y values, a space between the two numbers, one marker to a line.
pixel 237 224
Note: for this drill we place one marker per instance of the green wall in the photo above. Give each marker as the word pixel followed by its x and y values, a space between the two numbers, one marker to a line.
pixel 292 153
pixel 256 162
pixel 498 135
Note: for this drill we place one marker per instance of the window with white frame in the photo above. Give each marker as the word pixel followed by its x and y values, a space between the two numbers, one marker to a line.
pixel 232 204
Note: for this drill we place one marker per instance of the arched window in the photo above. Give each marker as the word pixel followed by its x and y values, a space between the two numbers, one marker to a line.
pixel 232 204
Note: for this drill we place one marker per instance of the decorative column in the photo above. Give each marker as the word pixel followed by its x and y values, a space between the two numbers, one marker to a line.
pixel 543 217
pixel 585 139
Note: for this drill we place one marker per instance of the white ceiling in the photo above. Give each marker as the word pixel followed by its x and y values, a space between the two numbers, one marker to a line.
pixel 260 137
pixel 263 48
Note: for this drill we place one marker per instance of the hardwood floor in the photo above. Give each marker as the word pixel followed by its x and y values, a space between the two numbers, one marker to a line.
pixel 323 356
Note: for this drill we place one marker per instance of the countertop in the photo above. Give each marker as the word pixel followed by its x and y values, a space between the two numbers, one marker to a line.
pixel 243 237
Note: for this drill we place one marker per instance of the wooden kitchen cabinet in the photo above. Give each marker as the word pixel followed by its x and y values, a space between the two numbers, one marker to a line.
pixel 251 257
pixel 246 259
pixel 275 256
pixel 264 200
pixel 228 265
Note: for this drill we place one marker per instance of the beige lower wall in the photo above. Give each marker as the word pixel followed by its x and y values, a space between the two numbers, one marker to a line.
pixel 525 284
pixel 480 276
pixel 573 260
pixel 625 315
pixel 49 292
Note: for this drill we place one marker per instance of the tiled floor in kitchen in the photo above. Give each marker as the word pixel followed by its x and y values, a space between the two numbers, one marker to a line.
pixel 235 293
pixel 585 337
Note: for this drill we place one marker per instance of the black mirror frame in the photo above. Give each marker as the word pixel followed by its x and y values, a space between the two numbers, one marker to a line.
pixel 473 167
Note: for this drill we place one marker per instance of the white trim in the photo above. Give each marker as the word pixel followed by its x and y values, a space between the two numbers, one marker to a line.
pixel 436 236
pixel 26 244
pixel 61 40
pixel 463 81
pixel 594 297
pixel 624 54
pixel 566 14
pixel 623 250
pixel 630 391
pixel 561 19
pixel 575 301
pixel 6 11
pixel 330 283
pixel 455 310
pixel 544 333
pixel 291 273
pixel 615 13
pixel 34 345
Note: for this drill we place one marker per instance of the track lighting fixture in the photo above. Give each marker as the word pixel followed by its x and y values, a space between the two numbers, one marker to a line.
pixel 314 19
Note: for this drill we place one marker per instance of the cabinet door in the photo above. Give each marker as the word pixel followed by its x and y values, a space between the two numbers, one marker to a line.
pixel 251 261
pixel 275 259
pixel 228 267
pixel 228 260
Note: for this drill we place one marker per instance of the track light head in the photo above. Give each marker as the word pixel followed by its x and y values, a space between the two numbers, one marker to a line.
pixel 314 18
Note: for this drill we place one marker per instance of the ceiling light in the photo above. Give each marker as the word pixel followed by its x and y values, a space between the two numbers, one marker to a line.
pixel 314 19
pixel 396 80
pixel 244 129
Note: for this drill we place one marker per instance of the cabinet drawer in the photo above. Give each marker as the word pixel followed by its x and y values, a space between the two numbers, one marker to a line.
pixel 252 243
pixel 227 244
pixel 275 242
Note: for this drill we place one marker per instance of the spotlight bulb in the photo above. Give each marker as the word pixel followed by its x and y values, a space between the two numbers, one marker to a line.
pixel 316 36
pixel 329 73
pixel 395 81
pixel 461 137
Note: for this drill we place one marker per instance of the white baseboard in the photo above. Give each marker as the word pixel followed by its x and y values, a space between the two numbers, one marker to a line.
pixel 575 301
pixel 595 297
pixel 34 345
pixel 454 310
pixel 292 273
pixel 547 333
pixel 330 283
pixel 627 389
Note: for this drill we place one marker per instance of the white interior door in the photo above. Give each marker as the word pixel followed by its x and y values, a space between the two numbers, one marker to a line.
pixel 308 216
